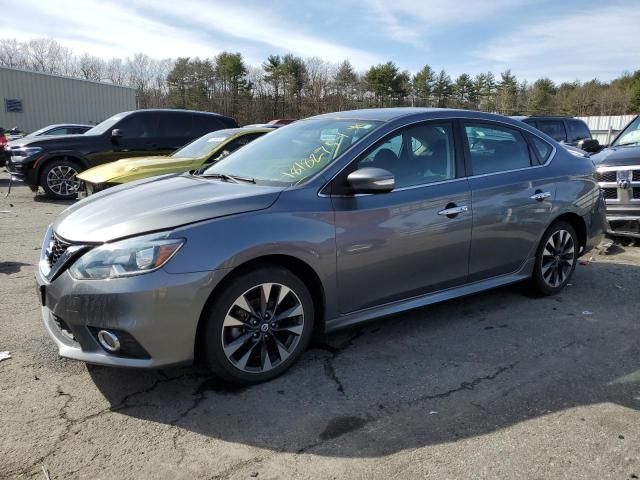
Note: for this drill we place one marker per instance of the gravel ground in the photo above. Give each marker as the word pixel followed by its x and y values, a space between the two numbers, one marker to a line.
pixel 498 385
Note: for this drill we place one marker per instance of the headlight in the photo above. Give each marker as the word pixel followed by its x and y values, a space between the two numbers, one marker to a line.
pixel 24 152
pixel 125 258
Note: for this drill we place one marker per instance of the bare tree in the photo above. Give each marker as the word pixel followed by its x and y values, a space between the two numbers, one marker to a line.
pixel 91 67
pixel 12 53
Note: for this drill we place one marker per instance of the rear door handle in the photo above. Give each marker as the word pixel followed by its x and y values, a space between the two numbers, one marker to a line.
pixel 540 195
pixel 453 210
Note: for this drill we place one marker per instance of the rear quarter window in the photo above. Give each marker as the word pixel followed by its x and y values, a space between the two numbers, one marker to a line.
pixel 541 148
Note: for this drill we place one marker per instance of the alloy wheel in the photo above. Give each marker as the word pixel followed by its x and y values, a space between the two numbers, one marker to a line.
pixel 558 257
pixel 61 180
pixel 262 328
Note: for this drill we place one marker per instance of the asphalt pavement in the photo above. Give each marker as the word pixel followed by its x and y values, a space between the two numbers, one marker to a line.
pixel 497 385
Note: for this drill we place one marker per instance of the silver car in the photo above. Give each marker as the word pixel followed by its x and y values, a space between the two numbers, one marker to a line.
pixel 322 224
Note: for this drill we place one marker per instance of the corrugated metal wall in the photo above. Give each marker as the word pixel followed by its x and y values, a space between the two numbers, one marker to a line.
pixel 603 127
pixel 48 99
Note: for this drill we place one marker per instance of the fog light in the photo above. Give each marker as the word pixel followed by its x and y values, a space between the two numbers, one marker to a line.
pixel 109 341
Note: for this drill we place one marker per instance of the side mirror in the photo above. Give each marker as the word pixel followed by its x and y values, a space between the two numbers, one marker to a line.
pixel 371 180
pixel 590 145
pixel 116 135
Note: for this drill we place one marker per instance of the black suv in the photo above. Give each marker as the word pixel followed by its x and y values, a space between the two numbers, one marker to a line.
pixel 618 169
pixel 53 162
pixel 568 130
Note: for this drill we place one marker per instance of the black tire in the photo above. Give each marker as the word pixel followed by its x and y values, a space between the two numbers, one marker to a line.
pixel 263 347
pixel 55 169
pixel 552 272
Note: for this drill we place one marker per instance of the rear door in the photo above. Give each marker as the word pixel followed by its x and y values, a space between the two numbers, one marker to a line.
pixel 512 197
pixel 395 245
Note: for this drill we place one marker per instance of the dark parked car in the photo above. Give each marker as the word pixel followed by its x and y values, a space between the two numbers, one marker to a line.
pixel 53 162
pixel 327 222
pixel 567 130
pixel 60 129
pixel 619 176
pixel 50 130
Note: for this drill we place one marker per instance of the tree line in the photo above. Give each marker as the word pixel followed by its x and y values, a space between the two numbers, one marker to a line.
pixel 288 86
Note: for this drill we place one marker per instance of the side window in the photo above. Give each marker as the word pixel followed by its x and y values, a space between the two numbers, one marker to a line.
pixel 57 131
pixel 204 124
pixel 542 148
pixel 139 126
pixel 495 149
pixel 553 128
pixel 417 155
pixel 578 130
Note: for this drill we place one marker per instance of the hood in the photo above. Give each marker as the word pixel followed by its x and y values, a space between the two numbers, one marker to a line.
pixel 158 203
pixel 617 156
pixel 56 141
pixel 109 171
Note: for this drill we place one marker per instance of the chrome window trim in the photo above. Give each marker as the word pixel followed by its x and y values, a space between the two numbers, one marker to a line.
pixel 467 177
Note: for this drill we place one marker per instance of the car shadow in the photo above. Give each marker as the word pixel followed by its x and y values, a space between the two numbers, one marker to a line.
pixel 42 198
pixel 9 268
pixel 454 370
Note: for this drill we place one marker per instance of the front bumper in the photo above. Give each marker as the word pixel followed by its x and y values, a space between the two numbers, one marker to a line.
pixel 159 310
pixel 624 225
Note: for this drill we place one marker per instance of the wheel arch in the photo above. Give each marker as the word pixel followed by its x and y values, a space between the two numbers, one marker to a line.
pixel 297 266
pixel 73 157
pixel 578 224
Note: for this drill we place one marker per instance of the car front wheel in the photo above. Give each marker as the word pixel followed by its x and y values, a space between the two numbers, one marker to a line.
pixel 556 259
pixel 258 326
pixel 58 179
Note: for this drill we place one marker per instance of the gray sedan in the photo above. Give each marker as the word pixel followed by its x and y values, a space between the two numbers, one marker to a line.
pixel 322 224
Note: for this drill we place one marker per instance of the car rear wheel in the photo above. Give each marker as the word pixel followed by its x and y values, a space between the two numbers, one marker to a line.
pixel 258 326
pixel 58 179
pixel 556 259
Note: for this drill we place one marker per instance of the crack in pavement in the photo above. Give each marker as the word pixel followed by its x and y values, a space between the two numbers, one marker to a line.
pixel 334 352
pixel 393 410
pixel 121 406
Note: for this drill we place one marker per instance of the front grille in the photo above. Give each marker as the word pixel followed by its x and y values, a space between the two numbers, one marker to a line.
pixel 607 176
pixel 610 193
pixel 636 193
pixel 636 175
pixel 56 249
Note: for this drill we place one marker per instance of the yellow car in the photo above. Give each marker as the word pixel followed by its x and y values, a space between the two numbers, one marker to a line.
pixel 201 152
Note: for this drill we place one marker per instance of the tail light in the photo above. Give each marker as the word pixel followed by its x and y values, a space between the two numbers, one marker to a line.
pixel 3 140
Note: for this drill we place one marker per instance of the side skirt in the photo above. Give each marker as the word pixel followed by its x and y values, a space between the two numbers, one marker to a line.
pixel 393 308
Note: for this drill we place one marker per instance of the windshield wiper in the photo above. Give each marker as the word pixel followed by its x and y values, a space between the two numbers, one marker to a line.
pixel 228 178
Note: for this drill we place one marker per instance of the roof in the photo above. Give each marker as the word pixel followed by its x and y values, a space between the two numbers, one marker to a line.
pixel 524 117
pixel 66 77
pixel 55 125
pixel 389 114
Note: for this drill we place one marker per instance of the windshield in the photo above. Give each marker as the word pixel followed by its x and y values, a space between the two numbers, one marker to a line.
pixel 630 135
pixel 38 132
pixel 292 154
pixel 106 124
pixel 203 145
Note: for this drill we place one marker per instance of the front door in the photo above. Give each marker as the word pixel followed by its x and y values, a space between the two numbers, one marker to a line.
pixel 410 241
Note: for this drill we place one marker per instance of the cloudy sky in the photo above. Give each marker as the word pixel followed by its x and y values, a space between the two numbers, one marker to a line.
pixel 565 40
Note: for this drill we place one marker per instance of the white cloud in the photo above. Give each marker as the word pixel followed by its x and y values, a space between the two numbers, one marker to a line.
pixel 414 21
pixel 582 44
pixel 189 28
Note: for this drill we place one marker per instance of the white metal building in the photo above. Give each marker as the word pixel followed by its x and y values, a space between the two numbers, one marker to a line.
pixel 605 127
pixel 32 100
